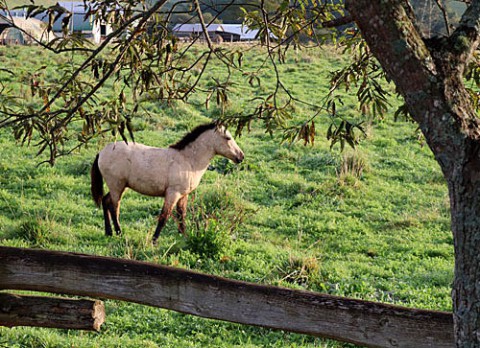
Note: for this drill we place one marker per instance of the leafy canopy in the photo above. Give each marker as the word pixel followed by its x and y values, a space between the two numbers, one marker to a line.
pixel 142 60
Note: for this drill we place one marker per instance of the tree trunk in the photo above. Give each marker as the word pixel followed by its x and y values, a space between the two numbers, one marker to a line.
pixel 429 75
pixel 465 213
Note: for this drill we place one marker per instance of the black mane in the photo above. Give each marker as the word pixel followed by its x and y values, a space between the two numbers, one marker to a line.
pixel 193 135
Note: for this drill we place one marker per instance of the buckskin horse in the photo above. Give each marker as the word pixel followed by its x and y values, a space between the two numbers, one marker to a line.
pixel 172 173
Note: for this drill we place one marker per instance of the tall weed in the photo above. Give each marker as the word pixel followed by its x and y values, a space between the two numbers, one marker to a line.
pixel 300 270
pixel 351 169
pixel 34 229
pixel 215 217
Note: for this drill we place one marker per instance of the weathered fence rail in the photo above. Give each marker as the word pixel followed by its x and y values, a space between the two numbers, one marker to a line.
pixel 59 313
pixel 362 322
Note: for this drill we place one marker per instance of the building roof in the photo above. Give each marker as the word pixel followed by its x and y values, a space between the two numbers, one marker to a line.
pixel 13 36
pixel 74 6
pixel 31 28
pixel 4 20
pixel 79 21
pixel 195 27
pixel 241 30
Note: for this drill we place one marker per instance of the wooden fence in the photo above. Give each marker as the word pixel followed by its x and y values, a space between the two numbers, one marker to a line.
pixel 361 322
pixel 59 313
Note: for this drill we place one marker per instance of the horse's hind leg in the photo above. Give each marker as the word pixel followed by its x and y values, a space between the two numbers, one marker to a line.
pixel 115 211
pixel 162 219
pixel 107 212
pixel 111 209
pixel 171 200
pixel 182 213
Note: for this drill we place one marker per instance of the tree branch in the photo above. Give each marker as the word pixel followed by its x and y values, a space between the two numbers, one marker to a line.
pixel 23 117
pixel 409 63
pixel 204 26
pixel 337 22
pixel 445 16
pixel 466 38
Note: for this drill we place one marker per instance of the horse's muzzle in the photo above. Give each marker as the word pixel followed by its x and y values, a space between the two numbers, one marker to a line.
pixel 239 159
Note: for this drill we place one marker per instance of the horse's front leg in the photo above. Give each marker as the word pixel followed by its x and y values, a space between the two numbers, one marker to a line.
pixel 182 213
pixel 171 200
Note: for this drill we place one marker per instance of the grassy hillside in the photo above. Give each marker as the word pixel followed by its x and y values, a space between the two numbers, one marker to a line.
pixel 308 221
pixel 16 3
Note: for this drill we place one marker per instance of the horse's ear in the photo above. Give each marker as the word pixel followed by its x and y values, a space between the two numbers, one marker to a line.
pixel 220 127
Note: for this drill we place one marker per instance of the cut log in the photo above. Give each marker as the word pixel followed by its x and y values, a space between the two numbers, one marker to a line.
pixel 361 322
pixel 60 313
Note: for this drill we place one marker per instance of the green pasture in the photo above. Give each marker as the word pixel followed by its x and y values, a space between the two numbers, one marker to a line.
pixel 18 3
pixel 371 224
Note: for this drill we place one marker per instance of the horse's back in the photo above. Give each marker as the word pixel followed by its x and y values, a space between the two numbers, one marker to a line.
pixel 140 167
pixel 115 158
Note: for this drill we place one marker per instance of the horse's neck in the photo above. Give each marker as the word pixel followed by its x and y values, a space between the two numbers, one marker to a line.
pixel 199 154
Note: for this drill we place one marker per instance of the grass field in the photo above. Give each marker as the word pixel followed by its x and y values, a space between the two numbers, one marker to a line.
pixel 375 230
pixel 17 3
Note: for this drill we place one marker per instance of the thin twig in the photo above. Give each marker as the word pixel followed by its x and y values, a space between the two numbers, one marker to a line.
pixel 202 23
pixel 445 16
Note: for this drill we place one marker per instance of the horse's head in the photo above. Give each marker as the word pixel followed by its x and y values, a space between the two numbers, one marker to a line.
pixel 225 145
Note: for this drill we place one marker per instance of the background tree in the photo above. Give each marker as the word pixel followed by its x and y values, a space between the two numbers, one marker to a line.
pixel 144 61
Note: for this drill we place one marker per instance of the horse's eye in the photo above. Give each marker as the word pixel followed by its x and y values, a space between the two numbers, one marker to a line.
pixel 228 138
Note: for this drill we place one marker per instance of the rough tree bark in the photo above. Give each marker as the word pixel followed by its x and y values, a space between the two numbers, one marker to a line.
pixel 429 74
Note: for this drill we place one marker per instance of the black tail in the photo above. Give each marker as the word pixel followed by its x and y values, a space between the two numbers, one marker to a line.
pixel 96 183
